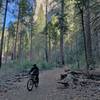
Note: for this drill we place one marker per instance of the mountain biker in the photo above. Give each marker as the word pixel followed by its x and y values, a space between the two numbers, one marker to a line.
pixel 35 72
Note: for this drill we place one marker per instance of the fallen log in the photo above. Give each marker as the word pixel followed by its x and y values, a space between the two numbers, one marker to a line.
pixel 79 77
pixel 64 83
pixel 93 74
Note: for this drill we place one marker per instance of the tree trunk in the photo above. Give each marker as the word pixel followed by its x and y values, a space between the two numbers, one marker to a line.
pixel 88 34
pixel 84 37
pixel 46 36
pixel 96 52
pixel 15 43
pixel 56 55
pixel 13 51
pixel 62 34
pixel 77 55
pixel 97 45
pixel 31 42
pixel 20 55
pixel 16 37
pixel 4 49
pixel 3 30
pixel 7 47
pixel 46 47
pixel 49 48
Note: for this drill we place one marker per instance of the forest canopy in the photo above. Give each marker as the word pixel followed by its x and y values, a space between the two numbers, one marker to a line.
pixel 50 33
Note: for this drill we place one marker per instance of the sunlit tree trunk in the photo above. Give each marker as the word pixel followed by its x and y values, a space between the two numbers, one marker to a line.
pixel 16 35
pixel 46 36
pixel 4 48
pixel 31 34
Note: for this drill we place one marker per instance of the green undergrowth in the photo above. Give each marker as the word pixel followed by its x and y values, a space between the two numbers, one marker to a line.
pixel 27 65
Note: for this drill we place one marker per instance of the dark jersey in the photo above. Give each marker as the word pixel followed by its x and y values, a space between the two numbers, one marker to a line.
pixel 34 71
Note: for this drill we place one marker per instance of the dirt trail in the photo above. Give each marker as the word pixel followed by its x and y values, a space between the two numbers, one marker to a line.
pixel 48 90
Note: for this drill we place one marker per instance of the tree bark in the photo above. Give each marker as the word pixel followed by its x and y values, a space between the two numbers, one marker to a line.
pixel 88 34
pixel 84 35
pixel 62 34
pixel 16 37
pixel 31 42
pixel 46 36
pixel 7 47
pixel 20 55
pixel 15 45
pixel 49 48
pixel 3 30
pixel 96 52
pixel 4 48
pixel 97 45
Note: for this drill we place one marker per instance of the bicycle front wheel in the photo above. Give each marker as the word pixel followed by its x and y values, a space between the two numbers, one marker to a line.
pixel 30 85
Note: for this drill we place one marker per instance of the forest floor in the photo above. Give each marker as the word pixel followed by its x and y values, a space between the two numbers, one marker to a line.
pixel 13 87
